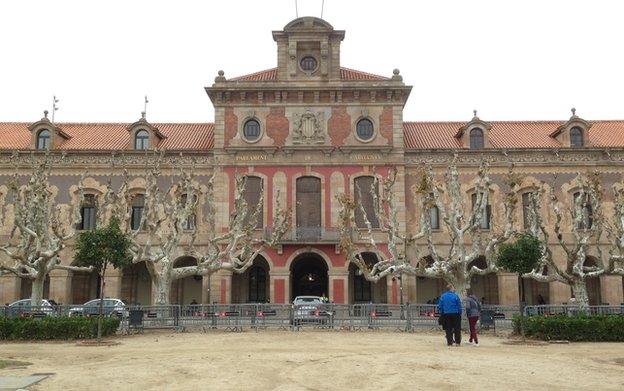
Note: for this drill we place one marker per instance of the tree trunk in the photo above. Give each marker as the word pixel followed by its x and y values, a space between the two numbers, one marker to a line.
pixel 579 290
pixel 162 288
pixel 522 302
pixel 101 314
pixel 36 295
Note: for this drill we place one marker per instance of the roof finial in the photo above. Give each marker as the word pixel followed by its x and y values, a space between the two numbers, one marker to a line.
pixel 45 114
pixel 220 76
pixel 573 112
pixel 475 113
pixel 142 114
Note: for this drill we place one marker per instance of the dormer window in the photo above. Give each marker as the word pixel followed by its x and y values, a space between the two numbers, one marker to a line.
pixel 43 139
pixel 576 137
pixel 476 139
pixel 141 140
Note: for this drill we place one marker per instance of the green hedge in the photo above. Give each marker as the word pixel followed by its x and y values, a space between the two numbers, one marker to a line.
pixel 595 328
pixel 55 328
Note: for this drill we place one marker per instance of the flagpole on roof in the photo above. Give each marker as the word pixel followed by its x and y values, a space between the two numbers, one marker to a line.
pixel 296 10
pixel 322 7
pixel 145 107
pixel 54 106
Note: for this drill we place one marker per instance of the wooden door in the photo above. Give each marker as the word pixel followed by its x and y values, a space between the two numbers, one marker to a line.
pixel 308 208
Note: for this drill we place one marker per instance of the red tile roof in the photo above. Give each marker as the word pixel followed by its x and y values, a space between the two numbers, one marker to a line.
pixel 509 134
pixel 112 136
pixel 345 74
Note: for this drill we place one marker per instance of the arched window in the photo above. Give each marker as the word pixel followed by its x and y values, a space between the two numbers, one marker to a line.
pixel 576 137
pixel 476 139
pixel 364 129
pixel 587 220
pixel 251 130
pixel 257 284
pixel 363 196
pixel 487 217
pixel 138 204
pixel 43 139
pixel 434 217
pixel 87 212
pixel 252 195
pixel 141 140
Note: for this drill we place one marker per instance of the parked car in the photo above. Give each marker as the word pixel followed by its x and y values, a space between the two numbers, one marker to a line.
pixel 310 309
pixel 111 307
pixel 22 308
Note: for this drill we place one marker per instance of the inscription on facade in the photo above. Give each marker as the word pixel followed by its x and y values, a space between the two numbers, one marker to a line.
pixel 247 158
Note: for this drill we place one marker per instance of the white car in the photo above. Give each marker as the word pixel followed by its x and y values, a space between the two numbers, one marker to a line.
pixel 23 308
pixel 111 307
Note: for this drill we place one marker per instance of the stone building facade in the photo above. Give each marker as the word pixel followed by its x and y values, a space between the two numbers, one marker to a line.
pixel 306 131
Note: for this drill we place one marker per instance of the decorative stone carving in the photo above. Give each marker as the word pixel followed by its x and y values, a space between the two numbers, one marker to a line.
pixel 309 128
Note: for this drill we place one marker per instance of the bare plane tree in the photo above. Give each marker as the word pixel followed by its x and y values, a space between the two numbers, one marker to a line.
pixel 40 228
pixel 587 226
pixel 168 230
pixel 462 223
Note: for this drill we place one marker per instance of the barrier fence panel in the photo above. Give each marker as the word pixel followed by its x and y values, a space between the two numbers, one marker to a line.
pixel 387 316
pixel 423 316
pixel 259 316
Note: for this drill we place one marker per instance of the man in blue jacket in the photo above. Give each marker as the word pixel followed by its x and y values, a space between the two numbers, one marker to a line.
pixel 450 307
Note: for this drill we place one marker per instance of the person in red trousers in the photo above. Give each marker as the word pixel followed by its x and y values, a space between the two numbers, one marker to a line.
pixel 473 311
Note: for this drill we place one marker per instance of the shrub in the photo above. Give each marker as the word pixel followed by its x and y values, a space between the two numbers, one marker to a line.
pixel 54 328
pixel 595 328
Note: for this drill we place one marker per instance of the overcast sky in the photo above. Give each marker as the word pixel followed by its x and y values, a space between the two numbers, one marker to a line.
pixel 529 59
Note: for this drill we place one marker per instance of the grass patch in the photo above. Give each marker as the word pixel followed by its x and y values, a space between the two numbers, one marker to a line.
pixel 13 364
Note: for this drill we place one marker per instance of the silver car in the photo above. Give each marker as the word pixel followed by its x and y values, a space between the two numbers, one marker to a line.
pixel 309 310
pixel 22 308
pixel 111 307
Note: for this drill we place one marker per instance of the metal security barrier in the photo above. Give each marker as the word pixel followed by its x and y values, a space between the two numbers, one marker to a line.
pixel 573 310
pixel 261 316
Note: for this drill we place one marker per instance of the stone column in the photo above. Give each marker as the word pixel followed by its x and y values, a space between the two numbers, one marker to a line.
pixel 208 295
pixel 410 284
pixel 508 290
pixel 338 288
pixel 221 290
pixel 9 289
pixel 60 286
pixel 611 290
pixel 559 293
pixel 112 281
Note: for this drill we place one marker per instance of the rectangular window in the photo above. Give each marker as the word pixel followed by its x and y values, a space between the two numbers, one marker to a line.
pixel 189 223
pixel 434 217
pixel 87 213
pixel 526 201
pixel 587 220
pixel 138 204
pixel 252 195
pixel 486 218
pixel 364 197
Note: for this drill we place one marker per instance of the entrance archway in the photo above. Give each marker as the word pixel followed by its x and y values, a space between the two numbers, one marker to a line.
pixel 535 292
pixel 136 285
pixel 485 287
pixel 253 285
pixel 85 286
pixel 363 291
pixel 308 276
pixel 185 290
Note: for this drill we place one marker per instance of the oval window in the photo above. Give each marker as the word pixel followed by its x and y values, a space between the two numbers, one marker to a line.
pixel 364 129
pixel 251 130
pixel 308 63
